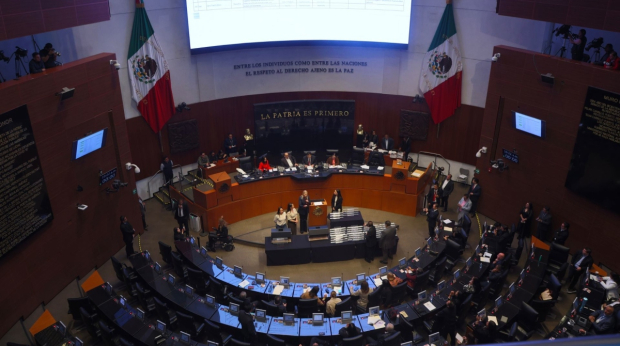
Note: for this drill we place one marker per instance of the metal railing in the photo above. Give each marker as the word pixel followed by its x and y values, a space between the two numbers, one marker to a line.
pixel 148 184
pixel 436 156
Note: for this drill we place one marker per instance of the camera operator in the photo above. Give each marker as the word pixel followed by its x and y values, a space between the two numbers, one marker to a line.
pixel 36 65
pixel 45 55
pixel 609 48
pixel 612 63
pixel 53 54
pixel 579 44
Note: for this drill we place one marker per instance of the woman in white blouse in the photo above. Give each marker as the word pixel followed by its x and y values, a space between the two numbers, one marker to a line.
pixel 291 218
pixel 280 218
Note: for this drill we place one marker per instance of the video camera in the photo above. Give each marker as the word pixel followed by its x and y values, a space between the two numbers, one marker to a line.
pixel 564 31
pixel 3 57
pixel 596 43
pixel 20 52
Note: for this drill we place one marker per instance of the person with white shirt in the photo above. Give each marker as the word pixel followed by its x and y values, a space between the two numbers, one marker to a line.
pixel 288 161
pixel 611 286
pixel 280 218
pixel 446 189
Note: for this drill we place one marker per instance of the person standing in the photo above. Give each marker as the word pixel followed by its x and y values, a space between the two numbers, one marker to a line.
pixel 580 261
pixel 143 212
pixel 304 210
pixel 562 235
pixel 474 194
pixel 525 221
pixel 387 143
pixel 181 214
pixel 337 201
pixel 544 223
pixel 445 323
pixel 246 320
pixel 387 241
pixel 405 145
pixel 433 195
pixel 230 144
pixel 280 219
pixel 446 189
pixel 579 43
pixel 371 242
pixel 128 234
pixel 464 207
pixel 292 218
pixel 166 167
pixel 431 218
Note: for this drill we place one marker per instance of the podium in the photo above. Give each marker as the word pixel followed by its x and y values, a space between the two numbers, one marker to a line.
pixel 399 176
pixel 222 187
pixel 318 214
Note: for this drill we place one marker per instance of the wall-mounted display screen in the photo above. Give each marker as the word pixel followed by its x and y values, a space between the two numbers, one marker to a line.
pixel 234 24
pixel 530 125
pixel 88 144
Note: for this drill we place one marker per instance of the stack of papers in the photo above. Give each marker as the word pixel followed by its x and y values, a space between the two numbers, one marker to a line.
pixel 429 306
pixel 378 282
pixel 244 283
pixel 373 319
pixel 492 319
pixel 365 167
pixel 485 259
pixel 380 168
pixel 379 324
pixel 278 290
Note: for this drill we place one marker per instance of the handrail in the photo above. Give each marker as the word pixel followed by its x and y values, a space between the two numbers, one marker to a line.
pixel 435 155
pixel 148 183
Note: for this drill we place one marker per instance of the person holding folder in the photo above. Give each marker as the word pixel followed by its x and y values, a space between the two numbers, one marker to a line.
pixel 292 218
pixel 337 201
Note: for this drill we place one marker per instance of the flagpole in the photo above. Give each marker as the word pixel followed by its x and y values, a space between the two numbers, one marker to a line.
pixel 439 125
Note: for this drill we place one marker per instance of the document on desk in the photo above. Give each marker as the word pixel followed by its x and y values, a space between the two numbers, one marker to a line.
pixel 373 319
pixel 379 324
pixel 278 289
pixel 504 319
pixel 378 282
pixel 492 319
pixel 485 259
pixel 593 277
pixel 244 283
pixel 404 314
pixel 447 221
pixel 447 229
pixel 459 338
pixel 429 306
pixel 380 168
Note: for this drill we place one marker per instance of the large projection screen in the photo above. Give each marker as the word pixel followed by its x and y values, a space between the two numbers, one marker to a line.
pixel 236 24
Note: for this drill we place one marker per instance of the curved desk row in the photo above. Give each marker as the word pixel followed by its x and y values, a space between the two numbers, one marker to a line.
pixel 398 192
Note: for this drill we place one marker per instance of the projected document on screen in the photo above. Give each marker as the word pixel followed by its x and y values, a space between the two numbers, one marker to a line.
pixel 217 23
pixel 88 144
pixel 528 124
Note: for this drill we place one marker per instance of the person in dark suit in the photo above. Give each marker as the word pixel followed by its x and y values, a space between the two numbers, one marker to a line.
pixel 389 330
pixel 431 217
pixel 230 144
pixel 178 234
pixel 181 214
pixel 166 168
pixel 221 233
pixel 405 146
pixel 446 190
pixel 562 234
pixel 387 241
pixel 581 260
pixel 474 194
pixel 371 242
pixel 288 161
pixel 445 322
pixel 247 323
pixel 374 138
pixel 525 221
pixel 277 301
pixel 387 143
pixel 485 331
pixel 143 212
pixel 349 331
pixel 309 160
pixel 433 196
pixel 603 321
pixel 336 201
pixel 544 223
pixel 303 210
pixel 128 234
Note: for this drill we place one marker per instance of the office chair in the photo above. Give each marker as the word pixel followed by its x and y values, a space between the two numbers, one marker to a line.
pixel 516 255
pixel 357 156
pixel 480 299
pixel 130 280
pixel 198 281
pixel 463 309
pixel 234 341
pixel 245 163
pixel 214 333
pixel 376 159
pixel 74 307
pixel 453 252
pixel 543 307
pixel 90 322
pixel 188 325
pixel 275 341
pixel 392 340
pixel 217 290
pixel 179 268
pixel 404 327
pixel 354 341
pixel 145 298
pixel 524 326
pixel 124 342
pixel 344 305
pixel 399 292
pixel 558 255
pixel 496 287
pixel 420 283
pixel 118 268
pixel 168 316
pixel 232 299
pixel 166 252
pixel 270 308
pixel 437 273
pixel 374 299
pixel 306 307
pixel 108 334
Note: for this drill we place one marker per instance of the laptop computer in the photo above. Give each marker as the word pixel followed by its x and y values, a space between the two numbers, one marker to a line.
pixel 210 301
pixel 157 268
pixel 161 327
pixel 482 314
pixel 189 290
pixel 288 319
pixel 192 240
pixel 259 278
pixel 212 343
pixel 219 262
pixel 408 343
pixel 402 263
pixel 359 278
pixel 346 317
pixel 441 285
pixel 511 290
pixel 185 339
pixel 284 281
pixel 203 251
pixel 238 271
pixel 418 253
pixel 317 319
pixel 383 273
pixel 261 315
pixel 469 262
pixel 498 303
pixel 78 342
pixel 457 275
pixel 122 301
pixel 147 255
pixel 139 314
pixel 233 309
pixel 62 329
pixel 108 288
pixel 170 279
pixel 336 282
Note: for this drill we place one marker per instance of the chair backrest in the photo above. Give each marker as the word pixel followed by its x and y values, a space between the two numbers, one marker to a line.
pixel 452 250
pixel 528 316
pixel 217 289
pixel 519 251
pixel 343 306
pixel 75 304
pixel 562 272
pixel 107 333
pixel 234 341
pixel 422 279
pixel 554 286
pixel 357 156
pixel 233 299
pixel 399 291
pixel 306 307
pixel 166 252
pixel 186 323
pixel 354 341
pixel 439 270
pixel 376 159
pixel 245 163
pixel 271 309
pixel 177 263
pixel 274 340
pixel 196 278
pixel 118 268
pixel 213 331
pixel 162 309
pixel 392 340
pixel 558 254
pixel 125 342
pixel 374 298
pixel 89 321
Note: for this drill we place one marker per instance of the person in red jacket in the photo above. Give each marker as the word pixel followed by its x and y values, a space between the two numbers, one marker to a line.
pixel 612 63
pixel 264 165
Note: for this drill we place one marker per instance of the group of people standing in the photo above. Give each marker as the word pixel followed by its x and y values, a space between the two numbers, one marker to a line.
pixel 299 216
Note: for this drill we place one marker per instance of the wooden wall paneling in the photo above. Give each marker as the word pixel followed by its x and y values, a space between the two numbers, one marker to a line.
pixel 371 199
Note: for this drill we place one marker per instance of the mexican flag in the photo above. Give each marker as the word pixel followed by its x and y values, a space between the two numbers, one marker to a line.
pixel 442 69
pixel 148 72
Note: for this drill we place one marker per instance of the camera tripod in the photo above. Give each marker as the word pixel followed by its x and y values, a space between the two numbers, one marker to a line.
pixel 597 55
pixel 19 64
pixel 562 49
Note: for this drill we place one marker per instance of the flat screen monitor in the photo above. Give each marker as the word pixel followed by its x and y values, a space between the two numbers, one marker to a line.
pixel 522 274
pixel 498 302
pixel 140 314
pixel 189 290
pixel 216 26
pixel 78 342
pixel 218 262
pixel 530 125
pixel 237 271
pixel 418 252
pixel 441 285
pixel 469 262
pixel 203 251
pixel 212 343
pixel 429 241
pixel 260 277
pixel 261 314
pixel 346 316
pixel 161 326
pixel 383 271
pixel 288 318
pixel 478 250
pixel 157 268
pixel 576 304
pixel 457 274
pixel 482 314
pixel 210 300
pixel 122 301
pixel 88 144
pixel 434 338
pixel 373 310
pixel 317 318
pixel 147 255
pixel 192 240
pixel 284 280
pixel 336 281
pixel 62 329
pixel 233 308
pixel 360 277
pixel 402 263
pixel 108 288
pixel 185 338
pixel 421 295
pixel 512 288
pixel 171 279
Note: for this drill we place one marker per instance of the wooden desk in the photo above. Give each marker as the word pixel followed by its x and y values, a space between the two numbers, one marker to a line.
pixel 318 214
pixel 95 280
pixel 400 174
pixel 540 244
pixel 229 167
pixel 222 187
pixel 45 320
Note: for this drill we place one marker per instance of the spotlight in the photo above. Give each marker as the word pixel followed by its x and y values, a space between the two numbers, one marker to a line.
pixel 496 57
pixel 65 93
pixel 417 99
pixel 129 165
pixel 483 150
pixel 117 66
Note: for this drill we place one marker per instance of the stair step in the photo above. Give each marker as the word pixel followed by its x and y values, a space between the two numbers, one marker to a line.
pixel 164 190
pixel 162 197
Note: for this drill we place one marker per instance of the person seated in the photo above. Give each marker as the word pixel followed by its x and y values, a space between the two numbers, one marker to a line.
pixel 213 157
pixel 612 63
pixel 264 164
pixel 221 155
pixel 330 307
pixel 499 262
pixel 458 236
pixel 313 294
pixel 485 331
pixel 309 160
pixel 610 284
pixel 349 331
pixel 53 54
pixel 221 233
pixel 456 297
pixel 243 295
pixel 362 293
pixel 36 65
pixel 473 286
pixel 393 279
pixel 385 296
pixel 280 303
pixel 288 161
pixel 178 234
pixel 203 160
pixel 412 276
pixel 495 275
pixel 389 330
pixel 333 160
pixel 316 341
pixel 609 48
pixel 603 321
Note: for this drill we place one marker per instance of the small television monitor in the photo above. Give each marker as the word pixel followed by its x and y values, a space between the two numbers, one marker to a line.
pixel 530 125
pixel 408 343
pixel 219 262
pixel 203 251
pixel 88 144
pixel 288 319
pixel 421 295
pixel 185 338
pixel 402 263
pixel 512 289
pixel 139 314
pixel 441 285
pixel 457 274
pixel 260 278
pixel 233 308
pixel 284 280
pixel 157 268
pixel 434 338
pixel 212 343
pixel 78 342
pixel 482 314
pixel 171 279
pixel 469 262
pixel 418 252
pixel 237 271
pixel 62 329
pixel 522 274
pixel 108 288
pixel 373 311
pixel 346 316
pixel 147 255
pixel 360 277
pixel 192 240
pixel 498 302
pixel 336 281
pixel 383 271
pixel 189 290
pixel 576 304
pixel 429 241
pixel 210 300
pixel 261 315
pixel 161 326
pixel 478 250
pixel 122 301
pixel 317 318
